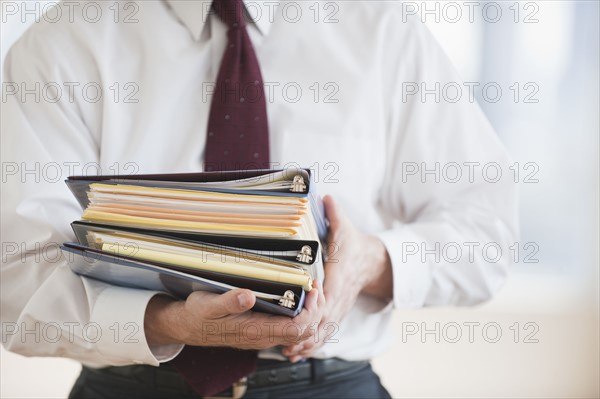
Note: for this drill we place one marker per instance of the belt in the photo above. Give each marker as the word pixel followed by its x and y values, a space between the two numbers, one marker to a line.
pixel 269 373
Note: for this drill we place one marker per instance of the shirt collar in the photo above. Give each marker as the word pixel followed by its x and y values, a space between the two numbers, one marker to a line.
pixel 194 14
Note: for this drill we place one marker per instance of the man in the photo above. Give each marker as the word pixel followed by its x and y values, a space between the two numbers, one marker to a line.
pixel 343 89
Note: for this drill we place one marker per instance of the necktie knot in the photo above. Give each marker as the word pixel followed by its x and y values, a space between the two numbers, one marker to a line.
pixel 231 12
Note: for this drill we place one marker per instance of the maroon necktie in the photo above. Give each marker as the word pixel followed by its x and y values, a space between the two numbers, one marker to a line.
pixel 237 139
pixel 237 134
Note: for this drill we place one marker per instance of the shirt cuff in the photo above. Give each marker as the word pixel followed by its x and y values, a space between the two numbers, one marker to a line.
pixel 412 278
pixel 119 313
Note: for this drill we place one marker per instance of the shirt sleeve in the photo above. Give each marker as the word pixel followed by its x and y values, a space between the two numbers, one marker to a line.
pixel 447 181
pixel 48 134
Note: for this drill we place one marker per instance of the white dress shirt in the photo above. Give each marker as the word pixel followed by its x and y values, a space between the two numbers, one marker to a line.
pixel 355 123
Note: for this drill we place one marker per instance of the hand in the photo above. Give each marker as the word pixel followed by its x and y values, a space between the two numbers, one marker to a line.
pixel 357 263
pixel 206 319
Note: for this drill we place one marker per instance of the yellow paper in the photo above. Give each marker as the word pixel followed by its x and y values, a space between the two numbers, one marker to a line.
pixel 263 231
pixel 166 214
pixel 196 195
pixel 203 252
pixel 303 280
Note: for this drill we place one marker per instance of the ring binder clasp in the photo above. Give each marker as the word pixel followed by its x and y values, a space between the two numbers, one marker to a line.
pixel 288 299
pixel 298 185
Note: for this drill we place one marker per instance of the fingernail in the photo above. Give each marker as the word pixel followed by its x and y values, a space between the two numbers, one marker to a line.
pixel 243 300
pixel 315 299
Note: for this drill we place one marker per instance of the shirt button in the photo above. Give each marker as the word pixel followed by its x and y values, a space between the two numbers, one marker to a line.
pixel 227 117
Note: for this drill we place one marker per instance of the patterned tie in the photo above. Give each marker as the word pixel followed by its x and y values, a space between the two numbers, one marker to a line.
pixel 237 139
pixel 237 133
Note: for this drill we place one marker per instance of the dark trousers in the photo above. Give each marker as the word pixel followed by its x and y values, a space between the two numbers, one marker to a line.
pixel 362 383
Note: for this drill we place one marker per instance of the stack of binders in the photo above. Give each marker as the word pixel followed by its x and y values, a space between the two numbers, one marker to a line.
pixel 212 231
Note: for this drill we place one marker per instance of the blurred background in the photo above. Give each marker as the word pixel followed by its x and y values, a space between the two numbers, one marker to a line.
pixel 539 336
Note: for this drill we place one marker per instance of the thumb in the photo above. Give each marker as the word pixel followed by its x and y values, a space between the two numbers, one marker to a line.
pixel 232 302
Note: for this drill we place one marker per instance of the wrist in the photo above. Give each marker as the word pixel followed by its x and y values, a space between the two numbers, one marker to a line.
pixel 162 321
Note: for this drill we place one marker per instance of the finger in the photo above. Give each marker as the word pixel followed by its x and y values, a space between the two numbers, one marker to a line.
pixel 334 281
pixel 309 316
pixel 292 350
pixel 310 307
pixel 296 359
pixel 321 308
pixel 302 347
pixel 232 302
pixel 321 301
pixel 312 299
pixel 295 348
pixel 307 350
pixel 309 345
pixel 311 313
pixel 332 212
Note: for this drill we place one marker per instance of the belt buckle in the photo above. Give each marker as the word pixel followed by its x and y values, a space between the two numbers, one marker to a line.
pixel 238 389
